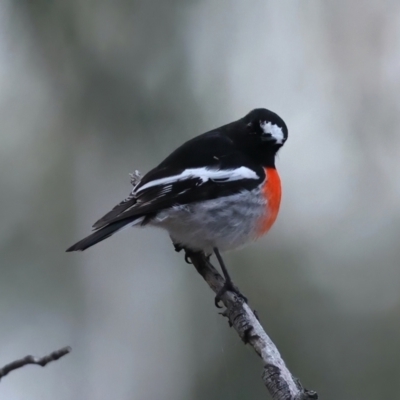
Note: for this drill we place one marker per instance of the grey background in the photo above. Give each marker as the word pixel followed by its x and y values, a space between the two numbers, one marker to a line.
pixel 92 90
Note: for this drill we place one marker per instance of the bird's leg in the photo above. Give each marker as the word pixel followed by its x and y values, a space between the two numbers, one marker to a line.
pixel 228 285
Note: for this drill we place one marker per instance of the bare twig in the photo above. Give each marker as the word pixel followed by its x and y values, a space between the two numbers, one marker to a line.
pixel 42 361
pixel 276 376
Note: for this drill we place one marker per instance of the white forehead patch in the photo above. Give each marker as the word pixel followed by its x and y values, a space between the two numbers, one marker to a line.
pixel 274 130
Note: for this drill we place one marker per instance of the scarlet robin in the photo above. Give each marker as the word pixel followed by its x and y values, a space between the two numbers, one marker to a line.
pixel 214 193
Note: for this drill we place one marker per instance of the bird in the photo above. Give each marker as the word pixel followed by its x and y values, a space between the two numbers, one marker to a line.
pixel 216 192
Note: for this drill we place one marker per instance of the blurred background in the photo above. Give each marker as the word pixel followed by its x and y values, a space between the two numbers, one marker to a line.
pixel 92 90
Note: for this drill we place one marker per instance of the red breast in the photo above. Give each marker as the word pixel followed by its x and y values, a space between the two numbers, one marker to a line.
pixel 272 193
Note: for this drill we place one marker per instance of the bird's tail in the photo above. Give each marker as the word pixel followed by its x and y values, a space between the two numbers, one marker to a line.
pixel 101 234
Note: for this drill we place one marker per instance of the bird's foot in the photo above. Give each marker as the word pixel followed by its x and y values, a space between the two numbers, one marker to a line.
pixel 228 286
pixel 188 253
pixel 178 247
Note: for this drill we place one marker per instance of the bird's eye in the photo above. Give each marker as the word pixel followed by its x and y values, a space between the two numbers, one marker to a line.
pixel 254 128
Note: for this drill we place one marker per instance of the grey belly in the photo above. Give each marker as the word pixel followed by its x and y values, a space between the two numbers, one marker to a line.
pixel 226 223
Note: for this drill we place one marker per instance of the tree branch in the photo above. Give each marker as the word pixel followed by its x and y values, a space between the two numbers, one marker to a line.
pixel 42 361
pixel 276 376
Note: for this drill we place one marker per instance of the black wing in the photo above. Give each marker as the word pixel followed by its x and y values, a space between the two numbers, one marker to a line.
pixel 178 179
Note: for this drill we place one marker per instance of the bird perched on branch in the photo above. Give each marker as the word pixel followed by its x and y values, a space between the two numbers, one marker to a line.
pixel 214 193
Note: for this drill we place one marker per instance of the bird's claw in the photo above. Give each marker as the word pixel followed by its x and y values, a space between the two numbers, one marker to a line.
pixel 178 248
pixel 187 258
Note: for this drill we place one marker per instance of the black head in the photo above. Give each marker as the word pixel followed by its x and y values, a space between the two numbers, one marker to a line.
pixel 260 134
pixel 267 126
